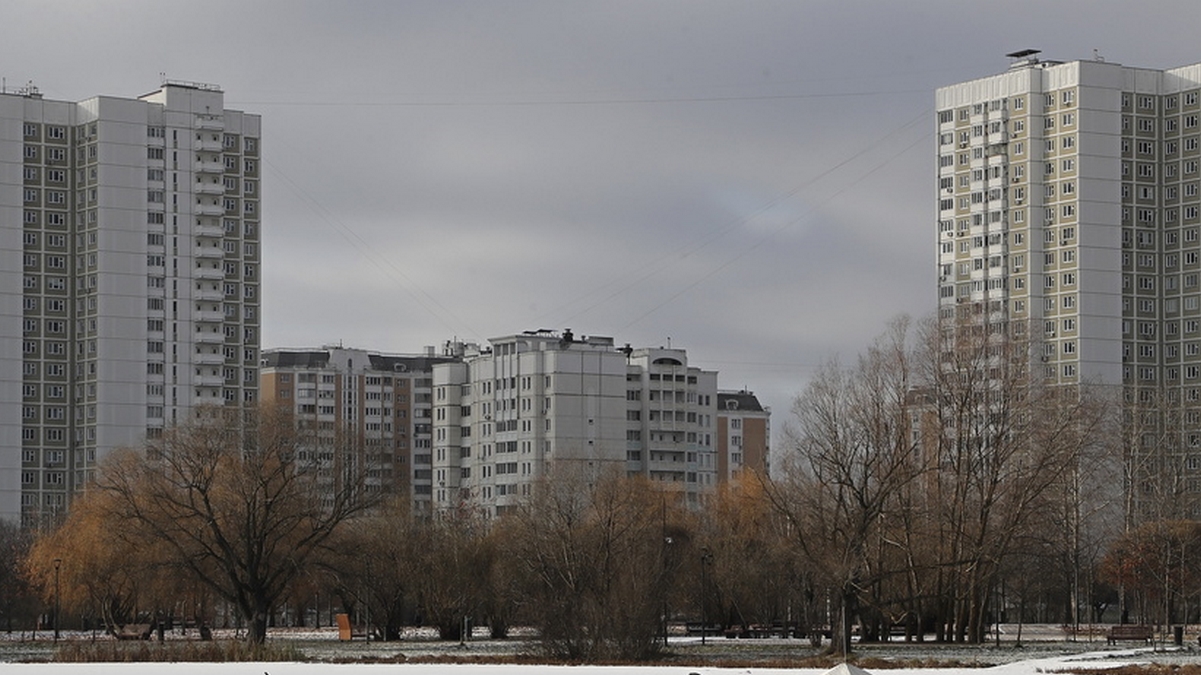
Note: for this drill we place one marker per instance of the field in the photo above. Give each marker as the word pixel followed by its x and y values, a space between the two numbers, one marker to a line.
pixel 1044 649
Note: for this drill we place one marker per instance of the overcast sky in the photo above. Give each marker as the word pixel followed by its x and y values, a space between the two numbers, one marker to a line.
pixel 752 181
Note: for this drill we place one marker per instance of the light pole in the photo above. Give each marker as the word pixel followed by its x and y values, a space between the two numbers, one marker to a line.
pixel 706 559
pixel 58 562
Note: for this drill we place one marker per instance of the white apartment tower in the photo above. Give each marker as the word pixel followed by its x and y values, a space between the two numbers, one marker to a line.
pixel 503 416
pixel 1068 202
pixel 129 277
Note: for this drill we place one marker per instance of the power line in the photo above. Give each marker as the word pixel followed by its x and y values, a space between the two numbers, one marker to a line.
pixel 428 302
pixel 655 266
pixel 762 240
pixel 358 103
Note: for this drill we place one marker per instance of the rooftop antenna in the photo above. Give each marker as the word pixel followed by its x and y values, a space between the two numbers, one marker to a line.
pixel 1023 57
pixel 1024 53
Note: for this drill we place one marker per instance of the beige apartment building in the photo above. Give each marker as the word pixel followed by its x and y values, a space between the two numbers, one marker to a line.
pixel 743 436
pixel 360 409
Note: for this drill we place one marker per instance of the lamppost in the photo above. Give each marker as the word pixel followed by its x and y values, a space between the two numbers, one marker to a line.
pixel 706 560
pixel 58 562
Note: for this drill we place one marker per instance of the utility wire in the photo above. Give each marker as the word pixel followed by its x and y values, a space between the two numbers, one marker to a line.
pixel 569 102
pixel 762 240
pixel 656 266
pixel 428 302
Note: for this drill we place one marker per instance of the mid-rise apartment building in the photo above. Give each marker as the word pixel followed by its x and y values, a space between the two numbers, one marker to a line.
pixel 743 435
pixel 129 277
pixel 1069 212
pixel 360 409
pixel 506 414
pixel 479 426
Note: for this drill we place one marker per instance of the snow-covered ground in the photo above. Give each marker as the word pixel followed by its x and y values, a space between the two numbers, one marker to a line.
pixel 1027 667
pixel 1044 650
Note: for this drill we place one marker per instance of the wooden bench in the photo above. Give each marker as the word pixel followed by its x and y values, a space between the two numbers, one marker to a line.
pixel 134 631
pixel 1129 632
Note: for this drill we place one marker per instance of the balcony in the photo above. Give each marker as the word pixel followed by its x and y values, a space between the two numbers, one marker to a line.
pixel 205 208
pixel 208 292
pixel 210 167
pixel 206 143
pixel 209 316
pixel 210 122
pixel 208 380
pixel 209 187
pixel 209 228
pixel 209 272
pixel 208 252
pixel 209 338
pixel 208 359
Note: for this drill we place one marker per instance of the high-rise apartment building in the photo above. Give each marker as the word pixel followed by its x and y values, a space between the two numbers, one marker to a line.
pixel 1068 213
pixel 506 414
pixel 129 277
pixel 360 409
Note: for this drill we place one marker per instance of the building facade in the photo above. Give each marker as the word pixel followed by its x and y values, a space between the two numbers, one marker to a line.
pixel 1068 214
pixel 505 415
pixel 743 436
pixel 129 277
pixel 363 409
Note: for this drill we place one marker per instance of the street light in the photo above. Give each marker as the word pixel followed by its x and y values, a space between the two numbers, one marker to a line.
pixel 706 560
pixel 58 562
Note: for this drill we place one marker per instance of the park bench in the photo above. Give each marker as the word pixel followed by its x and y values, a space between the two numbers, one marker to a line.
pixel 1129 632
pixel 698 628
pixel 134 631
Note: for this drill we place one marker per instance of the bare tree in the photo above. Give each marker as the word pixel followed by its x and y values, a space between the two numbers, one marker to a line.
pixel 919 470
pixel 854 456
pixel 1008 445
pixel 18 600
pixel 372 561
pixel 751 575
pixel 594 556
pixel 1160 563
pixel 452 571
pixel 232 504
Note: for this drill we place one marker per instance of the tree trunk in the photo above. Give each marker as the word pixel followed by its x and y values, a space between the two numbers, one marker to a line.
pixel 256 616
pixel 841 644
